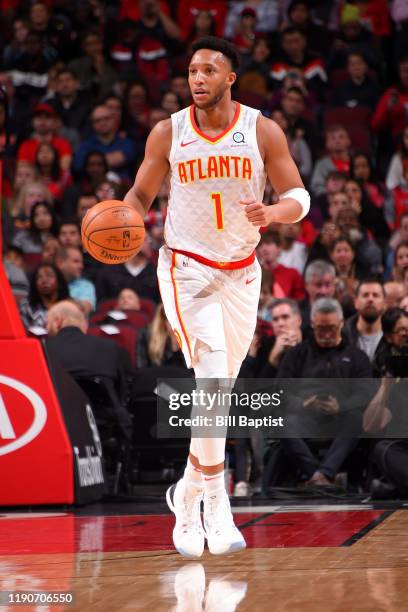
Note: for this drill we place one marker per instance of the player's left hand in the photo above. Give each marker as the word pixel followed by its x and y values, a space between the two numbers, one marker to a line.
pixel 257 213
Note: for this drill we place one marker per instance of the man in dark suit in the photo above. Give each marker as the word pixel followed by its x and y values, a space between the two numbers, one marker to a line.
pixel 87 357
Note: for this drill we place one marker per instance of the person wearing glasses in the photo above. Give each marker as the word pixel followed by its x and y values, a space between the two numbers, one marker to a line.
pixel 323 401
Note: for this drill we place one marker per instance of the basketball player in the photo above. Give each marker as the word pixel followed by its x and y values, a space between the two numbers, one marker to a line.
pixel 219 153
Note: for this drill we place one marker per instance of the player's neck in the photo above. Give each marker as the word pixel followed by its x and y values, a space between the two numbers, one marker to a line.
pixel 217 118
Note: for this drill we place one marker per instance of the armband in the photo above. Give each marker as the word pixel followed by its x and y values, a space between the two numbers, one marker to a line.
pixel 300 195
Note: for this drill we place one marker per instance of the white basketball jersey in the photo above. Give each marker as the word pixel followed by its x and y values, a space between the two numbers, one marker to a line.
pixel 209 177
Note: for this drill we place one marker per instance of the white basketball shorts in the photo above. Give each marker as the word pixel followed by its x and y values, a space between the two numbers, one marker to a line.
pixel 209 308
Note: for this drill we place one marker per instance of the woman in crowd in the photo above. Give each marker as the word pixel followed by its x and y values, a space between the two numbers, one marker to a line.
pixel 370 216
pixel 395 173
pixel 400 261
pixel 47 163
pixel 361 170
pixel 19 211
pixel 47 287
pixel 158 345
pixel 43 225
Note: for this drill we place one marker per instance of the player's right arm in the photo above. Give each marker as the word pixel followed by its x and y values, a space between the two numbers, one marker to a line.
pixel 153 170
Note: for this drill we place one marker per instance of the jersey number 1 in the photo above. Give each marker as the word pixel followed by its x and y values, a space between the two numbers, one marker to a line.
pixel 218 210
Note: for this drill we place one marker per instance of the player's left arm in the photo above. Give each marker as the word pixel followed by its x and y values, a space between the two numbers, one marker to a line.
pixel 294 200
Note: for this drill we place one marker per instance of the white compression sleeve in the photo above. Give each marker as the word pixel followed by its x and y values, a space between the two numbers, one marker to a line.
pixel 300 195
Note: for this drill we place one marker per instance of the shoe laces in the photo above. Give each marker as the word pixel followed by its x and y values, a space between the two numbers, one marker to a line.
pixel 191 520
pixel 217 515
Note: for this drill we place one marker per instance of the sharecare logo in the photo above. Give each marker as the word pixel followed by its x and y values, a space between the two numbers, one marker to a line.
pixel 7 431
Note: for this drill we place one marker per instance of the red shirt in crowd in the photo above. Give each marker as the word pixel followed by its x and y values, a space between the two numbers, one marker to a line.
pixel 290 281
pixel 28 149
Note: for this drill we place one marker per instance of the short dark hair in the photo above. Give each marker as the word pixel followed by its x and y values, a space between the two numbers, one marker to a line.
pixel 292 30
pixel 370 280
pixel 218 44
pixel 295 89
pixel 342 239
pixel 390 318
pixel 293 305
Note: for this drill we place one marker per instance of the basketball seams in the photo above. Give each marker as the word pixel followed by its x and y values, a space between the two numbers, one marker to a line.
pixel 120 205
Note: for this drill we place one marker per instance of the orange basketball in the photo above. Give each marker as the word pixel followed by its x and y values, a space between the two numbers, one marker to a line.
pixel 112 231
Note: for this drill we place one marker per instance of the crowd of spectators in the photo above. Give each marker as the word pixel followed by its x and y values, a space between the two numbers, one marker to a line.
pixel 87 80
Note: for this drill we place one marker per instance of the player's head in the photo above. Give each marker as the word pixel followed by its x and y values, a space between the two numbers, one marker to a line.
pixel 212 70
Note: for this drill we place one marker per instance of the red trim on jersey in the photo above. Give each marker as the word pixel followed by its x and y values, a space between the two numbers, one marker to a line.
pixel 176 302
pixel 214 139
pixel 220 265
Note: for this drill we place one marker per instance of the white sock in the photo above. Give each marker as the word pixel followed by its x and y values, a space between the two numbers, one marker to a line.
pixel 193 476
pixel 214 484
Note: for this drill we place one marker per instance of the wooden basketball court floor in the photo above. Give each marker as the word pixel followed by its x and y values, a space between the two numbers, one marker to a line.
pixel 300 558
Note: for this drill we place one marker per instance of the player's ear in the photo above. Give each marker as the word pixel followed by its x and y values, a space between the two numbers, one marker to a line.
pixel 232 77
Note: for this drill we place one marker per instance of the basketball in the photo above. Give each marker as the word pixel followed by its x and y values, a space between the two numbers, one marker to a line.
pixel 112 231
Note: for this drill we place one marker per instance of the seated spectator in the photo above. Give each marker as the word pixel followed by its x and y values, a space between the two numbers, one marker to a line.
pixel 395 172
pixel 158 345
pixel 49 250
pixel 337 158
pixel 300 17
pixel 270 291
pixel 320 281
pixel 187 11
pixel 254 68
pixel 286 326
pixel 400 261
pixel 128 300
pixel 362 171
pixel 69 233
pixel 85 356
pixel 94 171
pixel 267 14
pixel 293 253
pixel 334 183
pixel 323 243
pixel 71 104
pixel 24 173
pixel 390 113
pixel 297 106
pixel 297 145
pixel 47 287
pixel 342 254
pixel 398 203
pixel 18 216
pixel 386 413
pixel 43 124
pixel 16 46
pixel 85 203
pixel 364 329
pixel 95 75
pixel 136 114
pixel 296 58
pixel 170 102
pixel 48 166
pixel 325 355
pixel 108 190
pixel 18 280
pixel 137 274
pixel 353 37
pixel 394 293
pixel 29 69
pixel 288 279
pixel 157 36
pixel 371 216
pixel 368 253
pixel 359 89
pixel 43 225
pixel 119 151
pixel 70 262
pixel 179 85
pixel 245 30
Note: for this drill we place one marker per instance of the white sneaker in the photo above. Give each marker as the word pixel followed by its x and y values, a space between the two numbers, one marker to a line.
pixel 188 534
pixel 222 535
pixel 241 489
